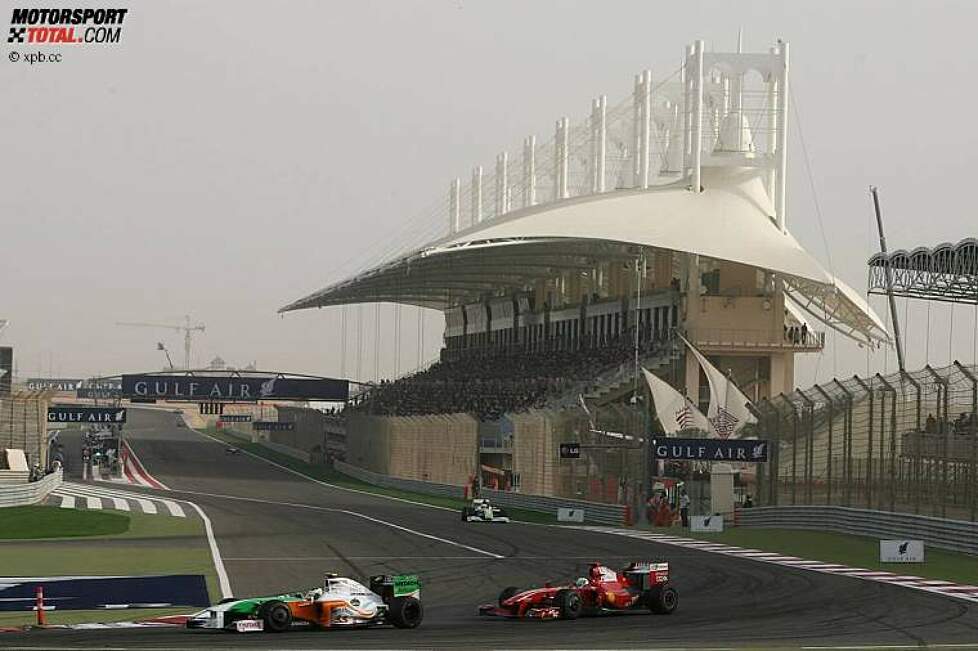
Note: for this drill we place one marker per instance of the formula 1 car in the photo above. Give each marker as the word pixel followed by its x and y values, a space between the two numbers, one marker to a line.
pixel 639 586
pixel 341 602
pixel 482 511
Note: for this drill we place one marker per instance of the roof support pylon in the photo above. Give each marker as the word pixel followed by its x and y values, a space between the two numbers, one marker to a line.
pixel 529 171
pixel 454 210
pixel 502 184
pixel 697 136
pixel 477 195
pixel 599 138
pixel 781 137
pixel 560 159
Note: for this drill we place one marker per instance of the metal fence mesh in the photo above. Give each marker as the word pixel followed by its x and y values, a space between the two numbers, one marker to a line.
pixel 900 442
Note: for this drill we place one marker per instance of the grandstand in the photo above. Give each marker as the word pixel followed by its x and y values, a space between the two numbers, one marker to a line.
pixel 569 267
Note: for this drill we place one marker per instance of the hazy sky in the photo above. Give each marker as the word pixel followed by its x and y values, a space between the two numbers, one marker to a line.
pixel 228 157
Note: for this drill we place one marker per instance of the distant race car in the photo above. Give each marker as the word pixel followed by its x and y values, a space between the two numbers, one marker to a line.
pixel 482 510
pixel 341 602
pixel 232 450
pixel 639 586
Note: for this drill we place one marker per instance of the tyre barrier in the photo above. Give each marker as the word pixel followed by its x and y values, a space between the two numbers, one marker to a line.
pixel 952 535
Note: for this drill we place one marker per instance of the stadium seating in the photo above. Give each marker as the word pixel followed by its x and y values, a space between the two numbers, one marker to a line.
pixel 489 384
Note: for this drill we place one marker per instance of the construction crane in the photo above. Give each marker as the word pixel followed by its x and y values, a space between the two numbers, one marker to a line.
pixel 187 329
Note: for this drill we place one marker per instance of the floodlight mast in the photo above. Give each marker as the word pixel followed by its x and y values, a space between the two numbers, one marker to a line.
pixel 889 281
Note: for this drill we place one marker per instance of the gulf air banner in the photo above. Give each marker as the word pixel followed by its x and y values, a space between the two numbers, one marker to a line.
pixel 743 450
pixel 215 388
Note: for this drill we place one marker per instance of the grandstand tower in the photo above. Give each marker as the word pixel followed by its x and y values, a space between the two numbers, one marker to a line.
pixel 666 210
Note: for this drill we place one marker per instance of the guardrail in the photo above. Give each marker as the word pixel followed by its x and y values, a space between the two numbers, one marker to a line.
pixel 596 512
pixel 29 493
pixel 386 481
pixel 286 450
pixel 953 535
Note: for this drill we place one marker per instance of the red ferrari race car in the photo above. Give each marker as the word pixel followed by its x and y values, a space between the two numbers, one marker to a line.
pixel 639 586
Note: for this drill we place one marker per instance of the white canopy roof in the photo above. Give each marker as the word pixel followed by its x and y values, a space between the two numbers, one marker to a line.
pixel 730 220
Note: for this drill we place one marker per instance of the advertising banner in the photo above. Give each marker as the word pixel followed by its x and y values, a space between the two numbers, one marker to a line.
pixel 744 450
pixel 215 388
pixel 273 426
pixel 87 415
pixel 570 515
pixel 18 594
pixel 235 418
pixel 100 389
pixel 901 551
pixel 6 369
pixel 570 450
pixel 706 523
pixel 54 383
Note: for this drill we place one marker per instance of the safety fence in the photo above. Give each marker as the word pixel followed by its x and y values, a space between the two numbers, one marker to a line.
pixel 954 535
pixel 29 493
pixel 593 511
pixel 904 443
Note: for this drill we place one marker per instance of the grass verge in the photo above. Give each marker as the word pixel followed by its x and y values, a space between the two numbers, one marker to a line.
pixel 845 549
pixel 31 522
pixel 331 476
pixel 151 544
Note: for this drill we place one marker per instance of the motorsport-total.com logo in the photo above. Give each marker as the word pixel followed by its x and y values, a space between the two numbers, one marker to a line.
pixel 68 26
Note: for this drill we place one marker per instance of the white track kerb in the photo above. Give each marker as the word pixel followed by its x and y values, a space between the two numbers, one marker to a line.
pixel 946 588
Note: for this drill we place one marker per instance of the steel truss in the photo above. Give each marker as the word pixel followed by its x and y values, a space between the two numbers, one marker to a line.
pixel 947 272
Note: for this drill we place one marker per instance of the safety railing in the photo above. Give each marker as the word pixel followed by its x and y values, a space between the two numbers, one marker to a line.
pixel 595 512
pixel 954 535
pixel 398 483
pixel 29 493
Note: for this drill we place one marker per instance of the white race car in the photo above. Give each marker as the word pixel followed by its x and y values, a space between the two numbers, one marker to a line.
pixel 482 510
pixel 341 602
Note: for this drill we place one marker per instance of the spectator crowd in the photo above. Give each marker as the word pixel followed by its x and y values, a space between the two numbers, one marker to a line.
pixel 490 384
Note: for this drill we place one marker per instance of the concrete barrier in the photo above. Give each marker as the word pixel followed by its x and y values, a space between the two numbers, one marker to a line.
pixel 412 485
pixel 595 512
pixel 29 493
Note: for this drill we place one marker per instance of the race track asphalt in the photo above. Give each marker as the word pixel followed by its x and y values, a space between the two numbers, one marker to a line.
pixel 278 531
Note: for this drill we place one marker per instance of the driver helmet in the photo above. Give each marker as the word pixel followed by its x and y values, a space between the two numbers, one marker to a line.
pixel 581 582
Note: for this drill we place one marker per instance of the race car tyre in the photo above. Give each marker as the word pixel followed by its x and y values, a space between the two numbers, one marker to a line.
pixel 663 601
pixel 466 512
pixel 276 616
pixel 569 603
pixel 406 612
pixel 507 593
pixel 501 513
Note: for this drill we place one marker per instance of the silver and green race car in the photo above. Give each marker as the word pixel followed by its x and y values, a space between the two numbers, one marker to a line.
pixel 390 599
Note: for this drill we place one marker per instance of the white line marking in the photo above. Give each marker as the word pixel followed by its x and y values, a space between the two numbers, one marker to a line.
pixel 222 573
pixel 327 484
pixel 350 513
pixel 93 502
pixel 67 501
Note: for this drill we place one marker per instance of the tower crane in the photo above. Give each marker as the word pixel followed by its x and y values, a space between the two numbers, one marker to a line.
pixel 186 328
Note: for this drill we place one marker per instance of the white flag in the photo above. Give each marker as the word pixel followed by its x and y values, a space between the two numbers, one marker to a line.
pixel 675 411
pixel 728 411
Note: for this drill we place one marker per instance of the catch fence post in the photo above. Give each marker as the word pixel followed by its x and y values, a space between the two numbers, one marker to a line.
pixel 39 604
